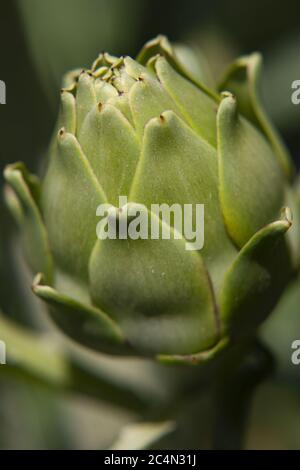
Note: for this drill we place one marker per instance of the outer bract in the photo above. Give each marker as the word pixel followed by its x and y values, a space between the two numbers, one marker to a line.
pixel 149 129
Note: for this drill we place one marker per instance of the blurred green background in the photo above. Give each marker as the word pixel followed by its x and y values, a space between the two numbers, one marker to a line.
pixel 39 41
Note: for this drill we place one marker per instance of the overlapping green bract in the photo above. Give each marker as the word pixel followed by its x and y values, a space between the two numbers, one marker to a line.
pixel 150 130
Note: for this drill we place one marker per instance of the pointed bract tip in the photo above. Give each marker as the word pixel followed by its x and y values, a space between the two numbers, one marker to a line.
pixel 287 216
pixel 37 281
pixel 228 94
pixel 61 132
pixel 84 74
pixel 158 39
pixel 228 105
pixel 256 57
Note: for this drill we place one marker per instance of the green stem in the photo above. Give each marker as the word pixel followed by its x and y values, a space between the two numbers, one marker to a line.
pixel 243 371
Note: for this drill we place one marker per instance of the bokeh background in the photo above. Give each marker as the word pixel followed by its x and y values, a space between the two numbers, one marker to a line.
pixel 39 41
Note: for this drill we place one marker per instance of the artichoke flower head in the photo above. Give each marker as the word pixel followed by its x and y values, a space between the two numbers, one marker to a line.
pixel 154 130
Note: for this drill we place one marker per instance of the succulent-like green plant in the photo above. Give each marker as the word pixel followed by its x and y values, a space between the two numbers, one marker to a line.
pixel 155 129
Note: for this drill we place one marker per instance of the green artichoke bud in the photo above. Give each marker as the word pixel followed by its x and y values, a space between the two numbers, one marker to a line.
pixel 150 129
